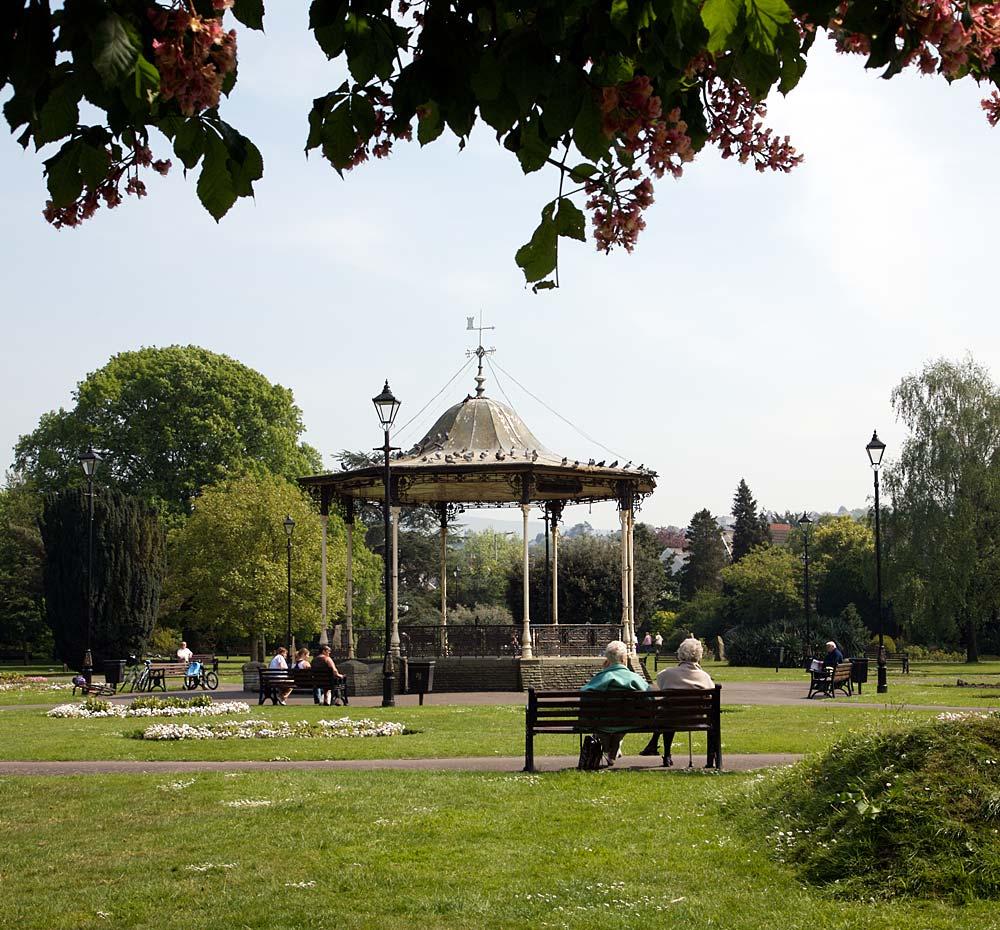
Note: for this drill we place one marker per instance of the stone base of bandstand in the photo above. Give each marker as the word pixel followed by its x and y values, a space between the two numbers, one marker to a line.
pixel 454 674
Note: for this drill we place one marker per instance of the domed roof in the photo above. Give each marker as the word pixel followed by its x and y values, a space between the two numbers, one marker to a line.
pixel 479 429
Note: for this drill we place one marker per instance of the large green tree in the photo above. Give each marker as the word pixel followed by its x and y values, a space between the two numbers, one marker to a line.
pixel 22 556
pixel 169 421
pixel 944 527
pixel 706 556
pixel 762 587
pixel 607 96
pixel 128 566
pixel 750 529
pixel 842 567
pixel 228 564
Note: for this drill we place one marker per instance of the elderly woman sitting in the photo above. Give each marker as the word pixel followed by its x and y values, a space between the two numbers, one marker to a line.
pixel 688 673
pixel 615 675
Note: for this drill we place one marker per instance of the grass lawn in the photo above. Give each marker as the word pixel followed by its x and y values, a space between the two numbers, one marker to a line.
pixel 440 732
pixel 408 850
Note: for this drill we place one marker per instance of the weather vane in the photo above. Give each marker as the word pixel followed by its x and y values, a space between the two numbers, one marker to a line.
pixel 479 351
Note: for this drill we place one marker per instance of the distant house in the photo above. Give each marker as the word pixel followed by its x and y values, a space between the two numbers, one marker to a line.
pixel 779 533
pixel 673 559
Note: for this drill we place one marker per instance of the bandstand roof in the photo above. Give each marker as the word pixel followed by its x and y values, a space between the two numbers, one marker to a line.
pixel 480 452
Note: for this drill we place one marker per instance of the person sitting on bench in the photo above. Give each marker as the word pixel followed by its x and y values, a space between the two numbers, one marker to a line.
pixel 322 660
pixel 614 676
pixel 833 655
pixel 688 673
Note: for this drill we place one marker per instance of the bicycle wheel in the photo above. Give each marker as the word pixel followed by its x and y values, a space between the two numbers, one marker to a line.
pixel 190 682
pixel 211 681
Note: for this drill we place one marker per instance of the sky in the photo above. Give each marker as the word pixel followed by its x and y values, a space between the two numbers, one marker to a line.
pixel 756 332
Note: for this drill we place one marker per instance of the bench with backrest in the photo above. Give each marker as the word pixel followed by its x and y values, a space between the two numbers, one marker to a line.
pixel 207 660
pixel 899 659
pixel 277 681
pixel 831 680
pixel 624 711
pixel 159 672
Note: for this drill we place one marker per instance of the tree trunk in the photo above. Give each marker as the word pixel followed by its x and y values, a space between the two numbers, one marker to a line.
pixel 971 640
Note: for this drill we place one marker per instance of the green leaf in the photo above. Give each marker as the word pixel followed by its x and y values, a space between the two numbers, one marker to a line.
pixel 620 17
pixel 569 220
pixel 487 79
pixel 429 123
pixel 764 19
pixel 501 113
pixel 562 106
pixel 543 286
pixel 588 134
pixel 116 47
pixel 361 58
pixel 327 19
pixel 215 186
pixel 583 171
pixel 363 115
pixel 59 114
pixel 62 174
pixel 793 63
pixel 94 164
pixel 147 79
pixel 247 170
pixel 532 150
pixel 537 257
pixel 339 137
pixel 250 13
pixel 189 143
pixel 719 18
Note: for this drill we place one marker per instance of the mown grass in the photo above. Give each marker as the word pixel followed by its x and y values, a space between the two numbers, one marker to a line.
pixel 408 850
pixel 437 732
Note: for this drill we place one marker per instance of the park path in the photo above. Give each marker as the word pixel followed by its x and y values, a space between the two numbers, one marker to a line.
pixel 731 763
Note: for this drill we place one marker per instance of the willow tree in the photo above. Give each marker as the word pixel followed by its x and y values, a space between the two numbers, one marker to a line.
pixel 128 566
pixel 944 527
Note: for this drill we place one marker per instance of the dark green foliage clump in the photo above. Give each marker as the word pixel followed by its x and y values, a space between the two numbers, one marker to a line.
pixel 912 810
pixel 129 562
pixel 755 646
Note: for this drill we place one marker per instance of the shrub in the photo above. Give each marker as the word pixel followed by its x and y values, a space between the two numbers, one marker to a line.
pixel 906 810
pixel 934 654
pixel 887 641
pixel 756 645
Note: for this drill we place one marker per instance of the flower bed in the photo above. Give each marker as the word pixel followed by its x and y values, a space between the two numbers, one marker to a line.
pixel 152 707
pixel 12 681
pixel 266 729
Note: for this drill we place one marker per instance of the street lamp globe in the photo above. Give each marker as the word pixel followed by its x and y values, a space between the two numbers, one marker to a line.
pixel 89 461
pixel 805 522
pixel 289 525
pixel 387 406
pixel 875 450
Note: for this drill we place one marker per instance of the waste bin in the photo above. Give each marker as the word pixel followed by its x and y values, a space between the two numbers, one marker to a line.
pixel 859 672
pixel 779 656
pixel 420 677
pixel 114 671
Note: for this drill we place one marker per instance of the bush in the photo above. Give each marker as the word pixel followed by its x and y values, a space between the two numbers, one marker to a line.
pixel 756 645
pixel 934 654
pixel 908 810
pixel 887 641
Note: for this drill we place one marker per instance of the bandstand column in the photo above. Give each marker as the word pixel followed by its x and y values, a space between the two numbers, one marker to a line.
pixel 324 519
pixel 556 513
pixel 394 641
pixel 526 650
pixel 443 631
pixel 349 586
pixel 623 519
pixel 633 641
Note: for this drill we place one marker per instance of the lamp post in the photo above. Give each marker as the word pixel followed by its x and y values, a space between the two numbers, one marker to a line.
pixel 387 407
pixel 289 525
pixel 875 450
pixel 89 462
pixel 805 523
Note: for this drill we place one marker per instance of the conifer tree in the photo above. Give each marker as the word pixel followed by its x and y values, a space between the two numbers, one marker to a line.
pixel 750 529
pixel 128 568
pixel 706 556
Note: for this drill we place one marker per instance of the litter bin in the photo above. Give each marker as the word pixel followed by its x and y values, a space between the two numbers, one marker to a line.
pixel 859 672
pixel 114 671
pixel 779 656
pixel 420 677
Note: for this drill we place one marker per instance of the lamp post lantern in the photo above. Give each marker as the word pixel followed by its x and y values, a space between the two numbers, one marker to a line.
pixel 875 450
pixel 89 461
pixel 805 523
pixel 387 407
pixel 289 525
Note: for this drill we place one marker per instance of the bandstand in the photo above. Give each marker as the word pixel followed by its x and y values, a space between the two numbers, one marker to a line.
pixel 480 453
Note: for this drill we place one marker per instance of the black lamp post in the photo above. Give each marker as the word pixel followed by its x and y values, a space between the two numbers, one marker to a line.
pixel 875 450
pixel 89 462
pixel 805 523
pixel 387 407
pixel 289 525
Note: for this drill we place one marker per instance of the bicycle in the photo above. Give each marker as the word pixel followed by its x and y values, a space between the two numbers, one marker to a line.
pixel 198 676
pixel 138 677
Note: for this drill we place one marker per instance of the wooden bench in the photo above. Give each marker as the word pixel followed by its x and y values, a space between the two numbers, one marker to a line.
pixel 207 660
pixel 624 711
pixel 276 681
pixel 159 672
pixel 899 659
pixel 830 681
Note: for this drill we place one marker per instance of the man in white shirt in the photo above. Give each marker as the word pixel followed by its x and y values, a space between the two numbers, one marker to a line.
pixel 280 663
pixel 184 654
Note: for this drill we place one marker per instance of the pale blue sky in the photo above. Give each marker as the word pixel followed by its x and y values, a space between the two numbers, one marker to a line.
pixel 756 332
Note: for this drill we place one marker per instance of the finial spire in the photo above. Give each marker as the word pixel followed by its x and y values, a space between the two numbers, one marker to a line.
pixel 479 351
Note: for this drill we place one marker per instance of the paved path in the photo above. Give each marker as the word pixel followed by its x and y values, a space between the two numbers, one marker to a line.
pixel 731 763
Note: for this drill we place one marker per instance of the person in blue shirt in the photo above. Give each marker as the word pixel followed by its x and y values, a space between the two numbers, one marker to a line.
pixel 833 655
pixel 615 675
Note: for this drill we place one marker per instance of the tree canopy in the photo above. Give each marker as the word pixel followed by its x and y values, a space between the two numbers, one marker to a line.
pixel 750 529
pixel 706 556
pixel 609 96
pixel 169 421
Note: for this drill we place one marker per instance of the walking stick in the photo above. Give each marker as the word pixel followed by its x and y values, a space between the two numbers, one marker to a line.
pixel 690 754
